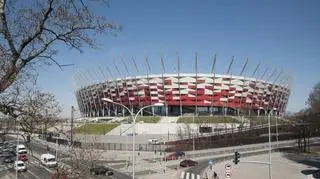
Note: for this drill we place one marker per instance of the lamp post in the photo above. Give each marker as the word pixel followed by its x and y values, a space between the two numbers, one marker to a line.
pixel 125 107
pixel 134 123
pixel 270 147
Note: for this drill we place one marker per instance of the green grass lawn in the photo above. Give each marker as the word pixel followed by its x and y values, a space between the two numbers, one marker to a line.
pixel 96 128
pixel 264 120
pixel 208 119
pixel 146 119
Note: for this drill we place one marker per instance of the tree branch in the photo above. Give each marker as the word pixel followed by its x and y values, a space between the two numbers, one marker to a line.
pixel 6 32
pixel 29 39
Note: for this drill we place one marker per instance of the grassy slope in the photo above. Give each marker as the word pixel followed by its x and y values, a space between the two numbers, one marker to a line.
pixel 209 119
pixel 96 128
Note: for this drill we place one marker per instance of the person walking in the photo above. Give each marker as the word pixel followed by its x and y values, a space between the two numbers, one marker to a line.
pixel 209 172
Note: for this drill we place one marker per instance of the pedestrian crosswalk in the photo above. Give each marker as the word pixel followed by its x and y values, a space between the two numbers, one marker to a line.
pixel 188 175
pixel 8 166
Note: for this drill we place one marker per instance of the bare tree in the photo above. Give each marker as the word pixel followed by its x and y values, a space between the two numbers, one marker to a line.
pixel 39 109
pixel 31 30
pixel 314 100
pixel 82 160
pixel 309 119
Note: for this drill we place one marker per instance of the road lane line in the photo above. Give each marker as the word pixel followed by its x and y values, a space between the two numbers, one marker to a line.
pixel 187 176
pixel 50 171
pixel 181 175
pixel 33 174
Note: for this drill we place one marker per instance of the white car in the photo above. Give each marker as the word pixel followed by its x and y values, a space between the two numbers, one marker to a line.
pixel 48 160
pixel 21 149
pixel 153 141
pixel 20 166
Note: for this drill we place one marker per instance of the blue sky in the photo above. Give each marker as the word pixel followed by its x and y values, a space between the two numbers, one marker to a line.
pixel 283 34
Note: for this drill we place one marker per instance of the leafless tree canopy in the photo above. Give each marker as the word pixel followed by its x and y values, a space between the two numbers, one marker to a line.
pixel 314 99
pixel 39 109
pixel 30 30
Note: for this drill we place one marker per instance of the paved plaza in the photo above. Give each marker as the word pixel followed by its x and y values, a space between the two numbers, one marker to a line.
pixel 282 168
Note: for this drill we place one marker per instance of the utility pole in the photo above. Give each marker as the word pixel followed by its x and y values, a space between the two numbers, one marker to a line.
pixel 45 124
pixel 71 127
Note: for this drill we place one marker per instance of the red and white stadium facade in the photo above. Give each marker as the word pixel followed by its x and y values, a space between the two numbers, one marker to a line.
pixel 210 94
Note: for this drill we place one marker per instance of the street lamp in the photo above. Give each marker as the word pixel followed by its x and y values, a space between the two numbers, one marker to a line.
pixel 130 111
pixel 134 124
pixel 269 124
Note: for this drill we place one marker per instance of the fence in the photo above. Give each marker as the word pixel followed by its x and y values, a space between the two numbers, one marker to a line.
pixel 109 146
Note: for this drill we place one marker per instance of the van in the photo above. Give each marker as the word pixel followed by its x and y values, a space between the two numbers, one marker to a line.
pixel 21 149
pixel 154 141
pixel 48 160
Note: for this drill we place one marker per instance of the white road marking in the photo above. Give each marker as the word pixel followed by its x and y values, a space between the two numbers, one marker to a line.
pixel 192 175
pixel 181 175
pixel 33 174
pixel 50 171
pixel 198 177
pixel 187 176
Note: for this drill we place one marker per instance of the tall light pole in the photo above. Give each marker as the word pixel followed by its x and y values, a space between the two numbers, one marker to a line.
pixel 134 124
pixel 119 104
pixel 270 147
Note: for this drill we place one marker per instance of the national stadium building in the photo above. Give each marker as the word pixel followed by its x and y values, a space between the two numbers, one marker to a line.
pixel 185 93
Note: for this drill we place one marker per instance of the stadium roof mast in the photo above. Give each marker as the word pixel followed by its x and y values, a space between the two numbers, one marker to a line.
pixel 86 93
pixel 126 81
pixel 96 88
pixel 213 71
pixel 265 84
pixel 114 80
pixel 76 80
pixel 273 85
pixel 277 101
pixel 92 91
pixel 148 79
pixel 104 94
pixel 178 63
pixel 121 84
pixel 163 84
pixel 243 84
pixel 287 94
pixel 196 70
pixel 82 94
pixel 229 86
pixel 135 81
pixel 255 86
pixel 123 81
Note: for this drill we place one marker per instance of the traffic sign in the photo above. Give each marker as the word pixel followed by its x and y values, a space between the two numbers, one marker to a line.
pixel 228 175
pixel 228 166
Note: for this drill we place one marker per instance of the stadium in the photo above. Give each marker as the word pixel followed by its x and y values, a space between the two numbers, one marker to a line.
pixel 186 93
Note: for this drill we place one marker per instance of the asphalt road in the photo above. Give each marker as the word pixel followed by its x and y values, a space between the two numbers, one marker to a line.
pixel 34 170
pixel 40 172
pixel 86 164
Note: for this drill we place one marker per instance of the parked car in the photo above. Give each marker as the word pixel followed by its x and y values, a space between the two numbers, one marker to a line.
pixel 20 166
pixel 8 159
pixel 153 141
pixel 188 163
pixel 23 157
pixel 170 157
pixel 100 170
pixel 21 149
pixel 180 154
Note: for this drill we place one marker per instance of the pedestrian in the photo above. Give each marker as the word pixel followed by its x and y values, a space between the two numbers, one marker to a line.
pixel 209 173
